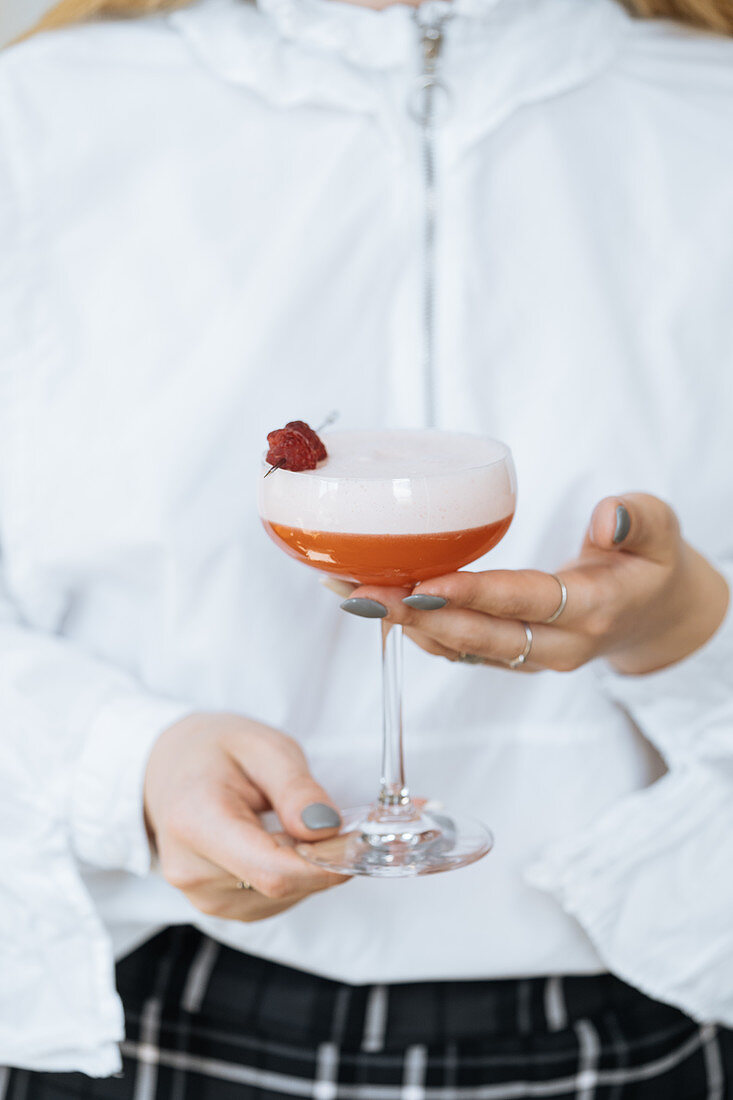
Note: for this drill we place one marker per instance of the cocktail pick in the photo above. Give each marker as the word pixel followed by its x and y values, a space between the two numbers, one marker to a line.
pixel 277 466
pixel 332 416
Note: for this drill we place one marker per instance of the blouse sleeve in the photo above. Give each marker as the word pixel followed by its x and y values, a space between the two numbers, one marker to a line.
pixel 76 733
pixel 651 881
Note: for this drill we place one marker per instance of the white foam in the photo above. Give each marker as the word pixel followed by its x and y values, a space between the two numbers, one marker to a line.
pixel 395 482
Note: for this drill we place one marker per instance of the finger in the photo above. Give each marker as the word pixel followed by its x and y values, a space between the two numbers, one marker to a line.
pixel 429 645
pixel 214 871
pixel 498 642
pixel 473 632
pixel 435 649
pixel 247 853
pixel 225 899
pixel 524 594
pixel 206 878
pixel 319 882
pixel 277 766
pixel 636 523
pixel 223 830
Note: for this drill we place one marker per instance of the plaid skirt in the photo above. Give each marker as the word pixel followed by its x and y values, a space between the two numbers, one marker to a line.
pixel 208 1023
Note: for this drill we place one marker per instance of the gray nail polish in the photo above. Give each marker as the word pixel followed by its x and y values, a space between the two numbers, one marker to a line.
pixel 368 609
pixel 623 524
pixel 425 603
pixel 320 816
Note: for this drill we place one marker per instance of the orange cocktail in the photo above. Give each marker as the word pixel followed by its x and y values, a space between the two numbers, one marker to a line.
pixel 393 507
pixel 388 559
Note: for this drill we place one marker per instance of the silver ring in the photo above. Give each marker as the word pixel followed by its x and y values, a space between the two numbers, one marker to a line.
pixel 471 659
pixel 245 886
pixel 563 600
pixel 525 652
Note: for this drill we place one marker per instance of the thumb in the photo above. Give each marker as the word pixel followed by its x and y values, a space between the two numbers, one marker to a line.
pixel 278 767
pixel 636 523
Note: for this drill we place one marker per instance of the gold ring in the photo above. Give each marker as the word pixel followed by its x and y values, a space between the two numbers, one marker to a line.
pixel 561 606
pixel 525 652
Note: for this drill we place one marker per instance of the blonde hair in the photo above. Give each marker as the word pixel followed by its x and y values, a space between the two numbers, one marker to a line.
pixel 713 15
pixel 75 11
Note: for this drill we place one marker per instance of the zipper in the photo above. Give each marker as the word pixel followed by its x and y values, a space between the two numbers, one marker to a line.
pixel 430 18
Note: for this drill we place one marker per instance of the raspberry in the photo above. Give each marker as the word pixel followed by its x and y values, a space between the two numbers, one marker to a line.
pixel 291 450
pixel 313 438
pixel 295 447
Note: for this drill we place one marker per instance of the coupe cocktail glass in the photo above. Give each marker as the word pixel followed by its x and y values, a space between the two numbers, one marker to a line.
pixel 394 508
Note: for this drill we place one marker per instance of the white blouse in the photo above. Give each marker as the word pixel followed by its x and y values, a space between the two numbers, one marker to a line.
pixel 211 223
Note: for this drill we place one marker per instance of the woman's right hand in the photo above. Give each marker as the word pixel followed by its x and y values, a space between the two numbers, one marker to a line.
pixel 208 778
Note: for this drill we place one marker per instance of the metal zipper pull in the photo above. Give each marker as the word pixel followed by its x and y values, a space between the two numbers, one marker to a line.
pixel 430 18
pixel 432 40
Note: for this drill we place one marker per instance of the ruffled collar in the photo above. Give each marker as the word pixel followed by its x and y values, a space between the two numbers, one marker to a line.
pixel 498 54
pixel 359 35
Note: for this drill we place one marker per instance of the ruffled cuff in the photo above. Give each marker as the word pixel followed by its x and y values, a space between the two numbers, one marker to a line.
pixel 59 1011
pixel 107 816
pixel 651 884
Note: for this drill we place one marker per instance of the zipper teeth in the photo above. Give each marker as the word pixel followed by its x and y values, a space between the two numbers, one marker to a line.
pixel 431 39
pixel 429 235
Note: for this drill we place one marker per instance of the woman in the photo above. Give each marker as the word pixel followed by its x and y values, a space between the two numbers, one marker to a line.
pixel 507 216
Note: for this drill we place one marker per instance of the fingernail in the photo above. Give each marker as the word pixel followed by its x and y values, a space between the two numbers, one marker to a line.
pixel 623 524
pixel 320 816
pixel 425 603
pixel 368 609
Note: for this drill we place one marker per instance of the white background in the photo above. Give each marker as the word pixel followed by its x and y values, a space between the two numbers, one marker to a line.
pixel 17 15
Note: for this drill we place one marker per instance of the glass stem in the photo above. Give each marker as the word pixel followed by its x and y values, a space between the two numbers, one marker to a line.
pixel 393 792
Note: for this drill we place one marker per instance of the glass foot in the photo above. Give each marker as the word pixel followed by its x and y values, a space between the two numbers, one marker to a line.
pixel 371 843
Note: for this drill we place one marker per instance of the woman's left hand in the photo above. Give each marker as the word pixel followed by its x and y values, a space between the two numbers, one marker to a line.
pixel 638 595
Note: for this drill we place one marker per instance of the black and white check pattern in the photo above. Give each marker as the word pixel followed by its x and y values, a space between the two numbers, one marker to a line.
pixel 208 1023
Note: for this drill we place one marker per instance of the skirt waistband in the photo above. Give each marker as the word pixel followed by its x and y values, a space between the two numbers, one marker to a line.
pixel 264 998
